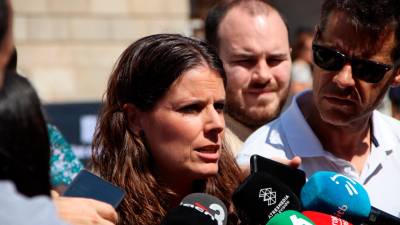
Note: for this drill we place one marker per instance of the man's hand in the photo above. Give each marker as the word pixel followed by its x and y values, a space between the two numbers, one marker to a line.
pixel 84 211
pixel 294 163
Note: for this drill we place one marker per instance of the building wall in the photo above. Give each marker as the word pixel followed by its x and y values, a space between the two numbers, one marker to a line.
pixel 67 48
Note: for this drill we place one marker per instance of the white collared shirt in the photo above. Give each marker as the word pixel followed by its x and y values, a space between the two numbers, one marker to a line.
pixel 290 135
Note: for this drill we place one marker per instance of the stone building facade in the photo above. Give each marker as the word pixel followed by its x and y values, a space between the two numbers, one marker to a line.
pixel 67 48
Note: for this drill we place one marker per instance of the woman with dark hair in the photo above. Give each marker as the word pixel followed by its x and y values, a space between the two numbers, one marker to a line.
pixel 24 143
pixel 24 165
pixel 159 135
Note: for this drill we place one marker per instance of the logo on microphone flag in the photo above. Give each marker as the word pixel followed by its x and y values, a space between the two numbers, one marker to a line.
pixel 351 190
pixel 268 195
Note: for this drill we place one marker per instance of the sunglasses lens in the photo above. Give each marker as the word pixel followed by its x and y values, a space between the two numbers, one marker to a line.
pixel 331 60
pixel 327 59
pixel 368 71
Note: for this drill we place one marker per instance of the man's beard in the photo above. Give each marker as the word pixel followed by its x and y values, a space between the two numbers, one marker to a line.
pixel 254 119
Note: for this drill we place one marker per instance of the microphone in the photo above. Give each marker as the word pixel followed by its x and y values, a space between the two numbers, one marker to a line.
pixel 290 217
pixel 324 219
pixel 338 195
pixel 260 197
pixel 292 177
pixel 379 217
pixel 188 216
pixel 198 209
pixel 208 203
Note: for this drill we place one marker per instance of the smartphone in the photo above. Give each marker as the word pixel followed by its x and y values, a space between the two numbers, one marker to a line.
pixel 89 185
pixel 294 178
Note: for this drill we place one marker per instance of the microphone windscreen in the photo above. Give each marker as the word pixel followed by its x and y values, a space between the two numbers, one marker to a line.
pixel 324 219
pixel 260 197
pixel 337 195
pixel 290 217
pixel 183 215
pixel 207 204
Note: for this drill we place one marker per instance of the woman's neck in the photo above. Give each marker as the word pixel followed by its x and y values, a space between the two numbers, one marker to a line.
pixel 179 185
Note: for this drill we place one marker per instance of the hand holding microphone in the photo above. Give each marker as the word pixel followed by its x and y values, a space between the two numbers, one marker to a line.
pixel 328 192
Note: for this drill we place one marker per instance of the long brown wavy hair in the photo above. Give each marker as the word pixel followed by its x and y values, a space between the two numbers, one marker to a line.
pixel 142 76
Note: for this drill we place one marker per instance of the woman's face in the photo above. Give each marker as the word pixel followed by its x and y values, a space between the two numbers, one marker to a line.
pixel 185 128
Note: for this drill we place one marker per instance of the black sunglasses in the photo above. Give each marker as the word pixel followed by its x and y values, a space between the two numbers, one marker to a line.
pixel 332 60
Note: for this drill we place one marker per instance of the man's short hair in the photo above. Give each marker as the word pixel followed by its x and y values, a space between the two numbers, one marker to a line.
pixel 218 12
pixel 374 16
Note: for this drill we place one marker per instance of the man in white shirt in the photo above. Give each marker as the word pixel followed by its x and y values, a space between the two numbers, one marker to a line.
pixel 336 127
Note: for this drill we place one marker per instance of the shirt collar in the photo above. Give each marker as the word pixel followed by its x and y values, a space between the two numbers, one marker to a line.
pixel 299 134
pixel 305 143
pixel 384 143
pixel 382 132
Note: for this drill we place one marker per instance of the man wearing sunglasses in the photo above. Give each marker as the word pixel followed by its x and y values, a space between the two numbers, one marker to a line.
pixel 335 126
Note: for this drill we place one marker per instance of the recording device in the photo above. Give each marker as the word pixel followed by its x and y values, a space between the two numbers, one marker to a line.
pixel 88 185
pixel 338 195
pixel 291 217
pixel 261 196
pixel 324 219
pixel 292 177
pixel 209 203
pixel 198 209
pixel 183 215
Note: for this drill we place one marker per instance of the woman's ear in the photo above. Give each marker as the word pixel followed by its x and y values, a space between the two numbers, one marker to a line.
pixel 132 116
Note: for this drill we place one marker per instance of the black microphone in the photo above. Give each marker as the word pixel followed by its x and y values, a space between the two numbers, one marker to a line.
pixel 182 215
pixel 261 196
pixel 197 209
pixel 292 177
pixel 379 217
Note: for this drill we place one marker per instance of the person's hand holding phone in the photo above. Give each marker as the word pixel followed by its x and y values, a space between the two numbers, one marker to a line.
pixel 84 211
pixel 294 162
